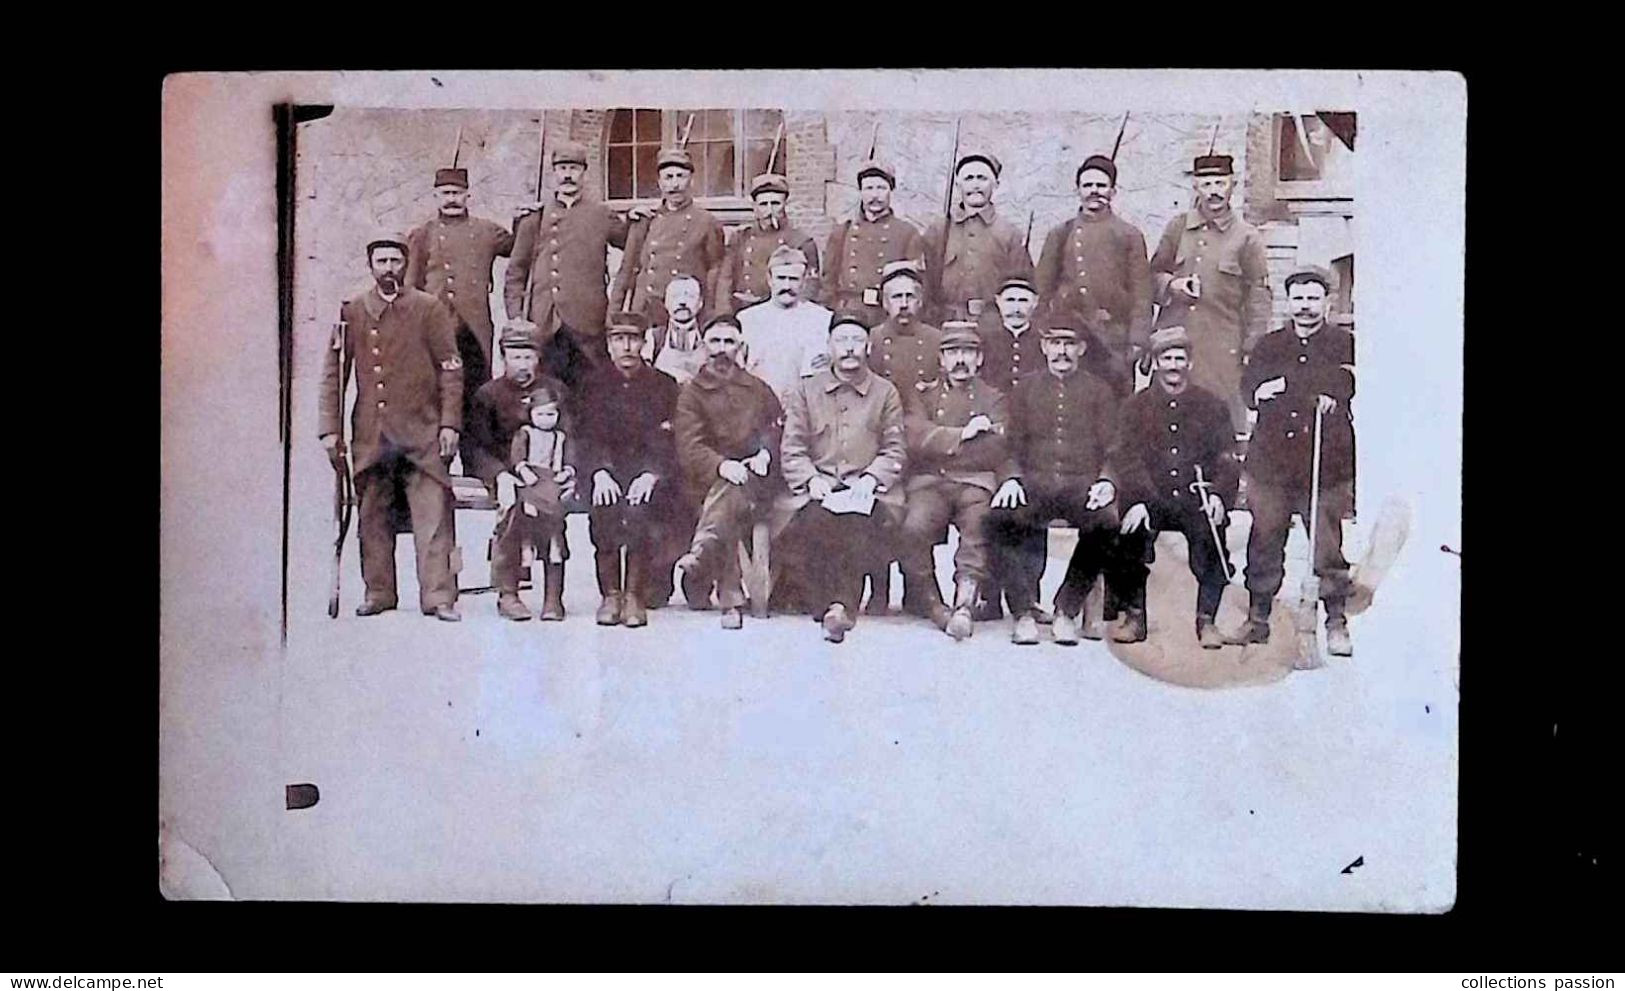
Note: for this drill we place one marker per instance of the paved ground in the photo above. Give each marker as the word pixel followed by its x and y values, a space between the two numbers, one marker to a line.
pixel 491 760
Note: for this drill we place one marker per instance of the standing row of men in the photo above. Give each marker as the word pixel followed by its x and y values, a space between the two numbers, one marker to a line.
pixel 1088 301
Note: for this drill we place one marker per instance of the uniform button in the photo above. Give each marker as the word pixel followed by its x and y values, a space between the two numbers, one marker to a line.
pixel 1173 473
pixel 1294 414
pixel 1174 427
pixel 1303 357
pixel 1291 433
pixel 1173 404
pixel 1173 450
pixel 1174 493
pixel 380 404
pixel 374 350
pixel 1198 257
pixel 380 385
pixel 377 368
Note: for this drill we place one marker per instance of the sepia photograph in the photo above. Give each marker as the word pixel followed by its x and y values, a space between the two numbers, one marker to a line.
pixel 988 487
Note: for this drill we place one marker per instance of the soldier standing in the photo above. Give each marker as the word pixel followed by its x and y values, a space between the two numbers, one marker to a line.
pixel 499 409
pixel 1303 367
pixel 982 247
pixel 1170 433
pixel 450 257
pixel 859 249
pixel 561 253
pixel 1094 266
pixel 408 411
pixel 955 429
pixel 744 280
pixel 680 237
pixel 1210 277
pixel 628 456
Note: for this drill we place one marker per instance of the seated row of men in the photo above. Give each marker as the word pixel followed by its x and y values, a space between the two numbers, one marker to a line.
pixel 855 454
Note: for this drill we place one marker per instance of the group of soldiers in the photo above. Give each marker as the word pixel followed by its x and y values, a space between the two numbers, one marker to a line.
pixel 858 401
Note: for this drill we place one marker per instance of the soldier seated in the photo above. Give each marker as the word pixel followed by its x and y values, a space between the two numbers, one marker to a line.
pixel 955 426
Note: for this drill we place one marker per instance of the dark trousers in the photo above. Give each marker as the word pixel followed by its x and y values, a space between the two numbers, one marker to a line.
pixel 476 372
pixel 544 533
pixel 1019 539
pixel 931 507
pixel 1272 507
pixel 636 528
pixel 1206 559
pixel 434 531
pixel 835 550
pixel 568 355
pixel 725 517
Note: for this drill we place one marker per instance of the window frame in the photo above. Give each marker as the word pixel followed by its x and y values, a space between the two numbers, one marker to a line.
pixel 731 209
pixel 1294 190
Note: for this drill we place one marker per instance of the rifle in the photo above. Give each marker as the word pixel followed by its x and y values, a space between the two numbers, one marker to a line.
pixel 688 126
pixel 1213 141
pixel 457 150
pixel 1028 243
pixel 541 175
pixel 947 221
pixel 1119 142
pixel 874 141
pixel 343 486
pixel 773 156
pixel 1306 615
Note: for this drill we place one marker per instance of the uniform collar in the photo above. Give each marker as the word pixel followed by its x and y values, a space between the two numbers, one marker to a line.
pixel 1194 219
pixel 376 303
pixel 860 384
pixel 708 378
pixel 884 216
pixel 1093 218
pixel 565 204
pixel 987 213
pixel 910 329
pixel 451 220
pixel 683 203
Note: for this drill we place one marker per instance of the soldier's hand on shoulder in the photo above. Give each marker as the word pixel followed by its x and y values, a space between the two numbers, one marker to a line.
pixel 1010 495
pixel 1136 517
pixel 638 213
pixel 448 442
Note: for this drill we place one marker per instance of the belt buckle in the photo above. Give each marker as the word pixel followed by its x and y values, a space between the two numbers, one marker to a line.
pixel 974 307
pixel 871 297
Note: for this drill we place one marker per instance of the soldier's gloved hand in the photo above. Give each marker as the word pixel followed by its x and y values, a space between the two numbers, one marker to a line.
pixel 1010 495
pixel 820 487
pixel 1215 509
pixel 1269 389
pixel 605 490
pixel 733 471
pixel 1136 517
pixel 448 442
pixel 759 462
pixel 1325 403
pixel 641 489
pixel 979 424
pixel 335 449
pixel 1100 494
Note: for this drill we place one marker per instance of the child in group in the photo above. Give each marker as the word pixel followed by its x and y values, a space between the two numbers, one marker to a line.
pixel 537 461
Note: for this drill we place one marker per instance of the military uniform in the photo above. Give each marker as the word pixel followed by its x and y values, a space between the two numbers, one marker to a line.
pixel 983 248
pixel 682 238
pixel 499 410
pixel 451 258
pixel 1280 457
pixel 743 280
pixel 1227 253
pixel 724 416
pixel 858 251
pixel 1008 357
pixel 951 479
pixel 905 354
pixel 1095 267
pixel 625 428
pixel 562 251
pixel 1164 438
pixel 409 386
pixel 1059 436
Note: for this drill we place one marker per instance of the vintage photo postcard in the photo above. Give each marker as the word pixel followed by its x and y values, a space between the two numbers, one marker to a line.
pixel 1009 487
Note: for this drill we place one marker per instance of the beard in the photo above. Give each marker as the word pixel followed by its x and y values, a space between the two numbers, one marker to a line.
pixel 389 284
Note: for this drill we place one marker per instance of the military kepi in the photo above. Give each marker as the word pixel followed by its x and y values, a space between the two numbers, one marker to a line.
pixel 770 182
pixel 991 160
pixel 386 237
pixel 570 153
pixel 675 156
pixel 1059 332
pixel 892 270
pixel 881 169
pixel 1213 165
pixel 1099 163
pixel 451 177
pixel 1170 337
pixel 519 335
pixel 1310 273
pixel 1018 282
pixel 634 324
pixel 959 334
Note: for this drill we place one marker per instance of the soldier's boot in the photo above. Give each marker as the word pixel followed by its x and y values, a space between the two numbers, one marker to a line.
pixel 928 599
pixel 989 608
pixel 1130 627
pixel 1208 634
pixel 733 618
pixel 637 568
pixel 372 607
pixel 880 591
pixel 510 606
pixel 836 623
pixel 1064 628
pixel 960 625
pixel 553 591
pixel 609 584
pixel 1025 630
pixel 1338 642
pixel 1257 627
